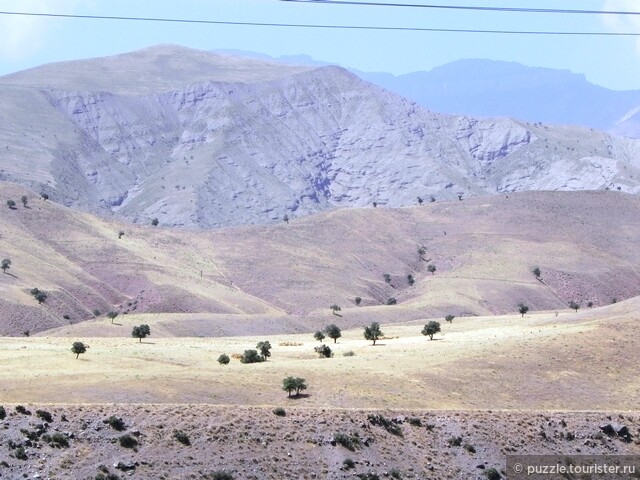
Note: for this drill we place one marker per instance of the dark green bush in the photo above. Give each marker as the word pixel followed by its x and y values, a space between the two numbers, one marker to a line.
pixel 251 356
pixel 182 437
pixel 57 440
pixel 492 474
pixel 22 410
pixel 279 411
pixel 115 422
pixel 348 463
pixel 414 421
pixel 20 454
pixel 127 441
pixel 350 442
pixel 3 413
pixel 221 475
pixel 224 359
pixel 388 425
pixel 44 415
pixel 454 441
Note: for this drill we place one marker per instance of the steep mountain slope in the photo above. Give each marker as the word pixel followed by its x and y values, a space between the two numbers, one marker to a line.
pixel 493 88
pixel 629 125
pixel 282 278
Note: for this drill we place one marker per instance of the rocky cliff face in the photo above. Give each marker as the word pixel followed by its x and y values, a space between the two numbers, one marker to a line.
pixel 227 153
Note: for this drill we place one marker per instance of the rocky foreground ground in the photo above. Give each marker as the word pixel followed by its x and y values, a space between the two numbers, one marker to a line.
pixel 206 441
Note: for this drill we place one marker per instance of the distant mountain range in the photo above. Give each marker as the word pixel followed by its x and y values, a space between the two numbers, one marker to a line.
pixel 198 139
pixel 490 88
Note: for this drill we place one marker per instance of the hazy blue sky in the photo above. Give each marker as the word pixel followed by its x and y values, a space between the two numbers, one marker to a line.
pixel 612 62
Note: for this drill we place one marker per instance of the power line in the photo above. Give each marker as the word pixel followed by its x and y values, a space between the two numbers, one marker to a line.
pixel 325 26
pixel 464 7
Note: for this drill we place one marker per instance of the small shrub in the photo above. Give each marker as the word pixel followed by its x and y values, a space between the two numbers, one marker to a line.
pixel 392 301
pixel 358 301
pixel 66 317
pixel 41 296
pixel 289 344
pixel 348 464
pixel 120 234
pixel 115 422
pixel 324 351
pixel 11 204
pixel 414 421
pixel 492 474
pixel 349 353
pixel 224 359
pixel 410 280
pixel 22 410
pixel 589 304
pixel 20 454
pixel 395 473
pixel 387 278
pixel 536 272
pixel 449 318
pixel 251 356
pixel 454 441
pixel 221 475
pixel 368 476
pixel 182 437
pixel 127 441
pixel 279 411
pixel 57 440
pixel 350 442
pixel 106 476
pixel 44 415
pixel 155 222
pixel 96 312
pixel 469 448
pixel 3 413
pixel 388 425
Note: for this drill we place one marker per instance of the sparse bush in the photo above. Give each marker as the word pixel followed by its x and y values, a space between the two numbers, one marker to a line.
pixel 115 422
pixel 422 251
pixel 106 476
pixel 11 204
pixel 44 196
pixel 333 331
pixel 26 333
pixel 96 312
pixel 358 301
pixel 22 410
pixel 182 437
pixel 449 318
pixel 324 351
pixel 454 441
pixel 251 356
pixel 368 476
pixel 224 359
pixel 66 317
pixel 335 308
pixel 387 278
pixel 380 421
pixel 20 454
pixel 522 308
pixel 78 348
pixel 410 280
pixel 431 328
pixel 373 332
pixel 614 300
pixel 221 475
pixel 348 464
pixel 392 301
pixel 414 421
pixel 41 297
pixel 319 336
pixel 3 413
pixel 127 441
pixel 57 440
pixel 492 474
pixel 44 415
pixel 279 411
pixel 349 353
pixel 431 268
pixel 350 442
pixel 469 448
pixel 141 331
pixel 34 291
pixel 395 473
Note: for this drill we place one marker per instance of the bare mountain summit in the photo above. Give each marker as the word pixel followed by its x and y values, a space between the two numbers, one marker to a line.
pixel 202 140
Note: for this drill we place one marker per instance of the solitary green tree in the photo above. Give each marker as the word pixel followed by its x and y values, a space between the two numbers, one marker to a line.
pixel 265 349
pixel 319 336
pixel 373 332
pixel 41 296
pixel 155 222
pixel 5 265
pixel 523 308
pixel 11 204
pixel 410 280
pixel 333 331
pixel 422 251
pixel 335 308
pixel 430 329
pixel 449 318
pixel 358 301
pixel 78 348
pixel 112 315
pixel 431 268
pixel 387 277
pixel 141 331
pixel 536 272
pixel 24 199
pixel 251 356
pixel 291 384
pixel 420 201
pixel 574 306
pixel 224 359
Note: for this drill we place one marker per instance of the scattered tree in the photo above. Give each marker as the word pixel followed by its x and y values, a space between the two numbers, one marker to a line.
pixel 44 196
pixel 373 332
pixel 41 297
pixel 251 356
pixel 358 301
pixel 24 199
pixel 536 272
pixel 155 222
pixel 387 277
pixel 285 219
pixel 112 315
pixel 589 304
pixel 420 201
pixel 449 318
pixel 574 306
pixel 410 280
pixel 460 197
pixel 432 199
pixel 375 204
pixel 11 204
pixel 335 308
pixel 333 331
pixel 422 251
pixel 78 348
pixel 224 359
pixel 141 331
pixel 431 268
pixel 391 301
pixel 5 265
pixel 265 349
pixel 96 312
pixel 319 336
pixel 431 328
pixel 296 384
pixel 324 351
pixel 523 308
pixel 614 300
pixel 120 234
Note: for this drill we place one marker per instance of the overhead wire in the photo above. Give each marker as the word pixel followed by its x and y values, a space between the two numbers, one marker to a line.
pixel 324 26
